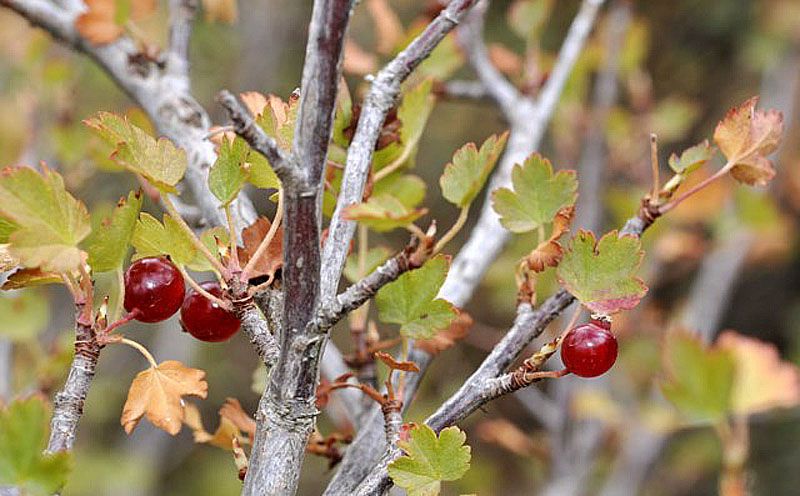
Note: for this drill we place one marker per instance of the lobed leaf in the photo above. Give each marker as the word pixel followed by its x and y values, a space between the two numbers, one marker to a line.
pixel 50 223
pixel 151 238
pixel 537 196
pixel 383 213
pixel 464 177
pixel 158 161
pixel 108 245
pixel 429 460
pixel 229 173
pixel 602 274
pixel 411 301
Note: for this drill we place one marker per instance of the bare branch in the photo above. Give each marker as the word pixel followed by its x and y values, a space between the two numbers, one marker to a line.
pixel 255 326
pixel 383 92
pixel 181 16
pixel 245 126
pixel 464 90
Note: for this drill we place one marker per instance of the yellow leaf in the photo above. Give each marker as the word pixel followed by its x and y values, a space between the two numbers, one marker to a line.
pixel 157 394
pixel 762 381
pixel 220 11
pixel 98 24
pixel 233 420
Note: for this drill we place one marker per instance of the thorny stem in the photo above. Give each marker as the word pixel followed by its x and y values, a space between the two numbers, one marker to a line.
pixel 141 349
pixel 697 187
pixel 262 247
pixel 193 237
pixel 189 279
pixel 451 233
pixel 654 165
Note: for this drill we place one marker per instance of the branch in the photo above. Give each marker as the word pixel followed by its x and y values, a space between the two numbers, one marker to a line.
pixel 412 257
pixel 181 16
pixel 463 90
pixel 245 126
pixel 382 94
pixel 287 410
pixel 256 327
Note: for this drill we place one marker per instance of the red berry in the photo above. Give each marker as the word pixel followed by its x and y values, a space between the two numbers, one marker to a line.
pixel 204 319
pixel 589 350
pixel 154 287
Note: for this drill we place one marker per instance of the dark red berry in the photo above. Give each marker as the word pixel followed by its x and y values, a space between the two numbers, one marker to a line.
pixel 204 319
pixel 589 350
pixel 154 287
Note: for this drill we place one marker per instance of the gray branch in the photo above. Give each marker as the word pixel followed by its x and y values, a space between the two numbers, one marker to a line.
pixel 181 17
pixel 383 92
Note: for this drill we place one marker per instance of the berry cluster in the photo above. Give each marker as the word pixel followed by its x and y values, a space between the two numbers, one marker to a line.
pixel 589 350
pixel 154 289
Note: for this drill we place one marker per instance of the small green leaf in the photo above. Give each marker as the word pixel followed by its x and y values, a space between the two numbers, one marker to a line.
pixel 602 275
pixel 261 174
pixel 375 257
pixel 228 174
pixel 537 196
pixel 430 460
pixel 692 158
pixel 50 221
pixel 699 380
pixel 464 177
pixel 384 213
pixel 411 301
pixel 25 315
pixel 407 188
pixel 343 116
pixel 159 161
pixel 152 238
pixel 413 114
pixel 108 244
pixel 23 464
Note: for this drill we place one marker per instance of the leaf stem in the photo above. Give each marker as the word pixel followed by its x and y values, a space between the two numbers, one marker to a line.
pixel 655 167
pixel 697 187
pixel 141 349
pixel 397 163
pixel 222 303
pixel 193 237
pixel 262 247
pixel 451 233
pixel 416 231
pixel 122 321
pixel 232 238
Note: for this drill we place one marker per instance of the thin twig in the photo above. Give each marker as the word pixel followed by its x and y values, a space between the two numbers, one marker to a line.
pixel 451 233
pixel 264 245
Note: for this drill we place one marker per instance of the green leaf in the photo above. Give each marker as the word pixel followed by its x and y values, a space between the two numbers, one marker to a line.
pixel 51 221
pixel 159 161
pixel 411 301
pixel 407 188
pixel 464 177
pixel 261 174
pixel 23 427
pixel 537 196
pixel 152 238
pixel 602 275
pixel 343 116
pixel 430 460
pixel 375 257
pixel 692 158
pixel 383 213
pixel 699 380
pixel 6 228
pixel 108 244
pixel 228 174
pixel 25 315
pixel 278 119
pixel 413 113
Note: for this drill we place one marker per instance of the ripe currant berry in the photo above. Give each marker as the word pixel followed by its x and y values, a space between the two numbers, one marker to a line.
pixel 204 319
pixel 589 350
pixel 154 288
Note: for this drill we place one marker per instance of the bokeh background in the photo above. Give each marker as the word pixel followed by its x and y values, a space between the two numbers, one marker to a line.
pixel 727 259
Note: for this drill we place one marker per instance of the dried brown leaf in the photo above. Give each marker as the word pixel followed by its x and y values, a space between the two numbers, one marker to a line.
pixel 505 60
pixel 447 338
pixel 157 394
pixel 256 102
pixel 393 364
pixel 506 435
pixel 358 61
pixel 98 24
pixel 233 411
pixel 225 11
pixel 272 259
pixel 388 28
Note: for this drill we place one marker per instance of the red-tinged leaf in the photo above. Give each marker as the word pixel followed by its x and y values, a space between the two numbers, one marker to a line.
pixel 98 24
pixel 449 337
pixel 272 259
pixel 393 364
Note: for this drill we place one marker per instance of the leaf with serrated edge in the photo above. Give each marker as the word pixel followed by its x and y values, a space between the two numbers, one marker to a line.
pixel 429 460
pixel 152 238
pixel 383 213
pixel 108 245
pixel 158 160
pixel 762 380
pixel 411 301
pixel 465 175
pixel 602 274
pixel 50 221
pixel 746 137
pixel 157 394
pixel 537 196
pixel 692 158
pixel 698 380
pixel 23 463
pixel 447 338
pixel 228 174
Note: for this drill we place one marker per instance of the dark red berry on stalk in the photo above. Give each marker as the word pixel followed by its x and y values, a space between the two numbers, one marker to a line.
pixel 206 320
pixel 589 350
pixel 154 287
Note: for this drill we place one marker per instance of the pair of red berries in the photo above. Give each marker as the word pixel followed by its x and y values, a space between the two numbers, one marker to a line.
pixel 589 350
pixel 154 287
